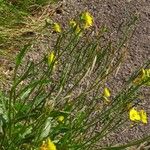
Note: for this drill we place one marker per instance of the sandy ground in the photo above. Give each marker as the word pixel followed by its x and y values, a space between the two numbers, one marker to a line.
pixel 112 13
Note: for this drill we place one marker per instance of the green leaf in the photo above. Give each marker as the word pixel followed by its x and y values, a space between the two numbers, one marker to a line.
pixel 47 127
pixel 21 55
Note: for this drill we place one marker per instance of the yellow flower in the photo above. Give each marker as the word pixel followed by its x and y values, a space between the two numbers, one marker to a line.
pixel 74 25
pixel 51 58
pixel 56 27
pixel 143 116
pixel 87 18
pixel 106 92
pixel 49 145
pixel 61 119
pixel 134 115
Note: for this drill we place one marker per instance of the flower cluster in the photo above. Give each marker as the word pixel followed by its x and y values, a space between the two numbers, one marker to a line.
pixel 137 116
pixel 86 21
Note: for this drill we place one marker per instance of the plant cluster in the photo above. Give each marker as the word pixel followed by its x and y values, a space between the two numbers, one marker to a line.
pixel 62 102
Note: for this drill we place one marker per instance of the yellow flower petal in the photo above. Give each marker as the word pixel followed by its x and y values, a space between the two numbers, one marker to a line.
pixel 134 115
pixel 143 116
pixel 87 18
pixel 50 145
pixel 61 118
pixel 51 58
pixel 106 92
pixel 56 27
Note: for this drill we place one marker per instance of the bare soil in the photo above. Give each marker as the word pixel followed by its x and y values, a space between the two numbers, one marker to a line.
pixel 112 13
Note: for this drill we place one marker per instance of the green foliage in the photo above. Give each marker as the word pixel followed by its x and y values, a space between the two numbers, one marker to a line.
pixel 14 20
pixel 71 86
pixel 13 12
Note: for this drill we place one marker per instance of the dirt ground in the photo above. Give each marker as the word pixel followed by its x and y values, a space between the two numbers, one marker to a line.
pixel 112 13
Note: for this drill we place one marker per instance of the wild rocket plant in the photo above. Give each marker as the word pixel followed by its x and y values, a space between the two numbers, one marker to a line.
pixel 62 102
